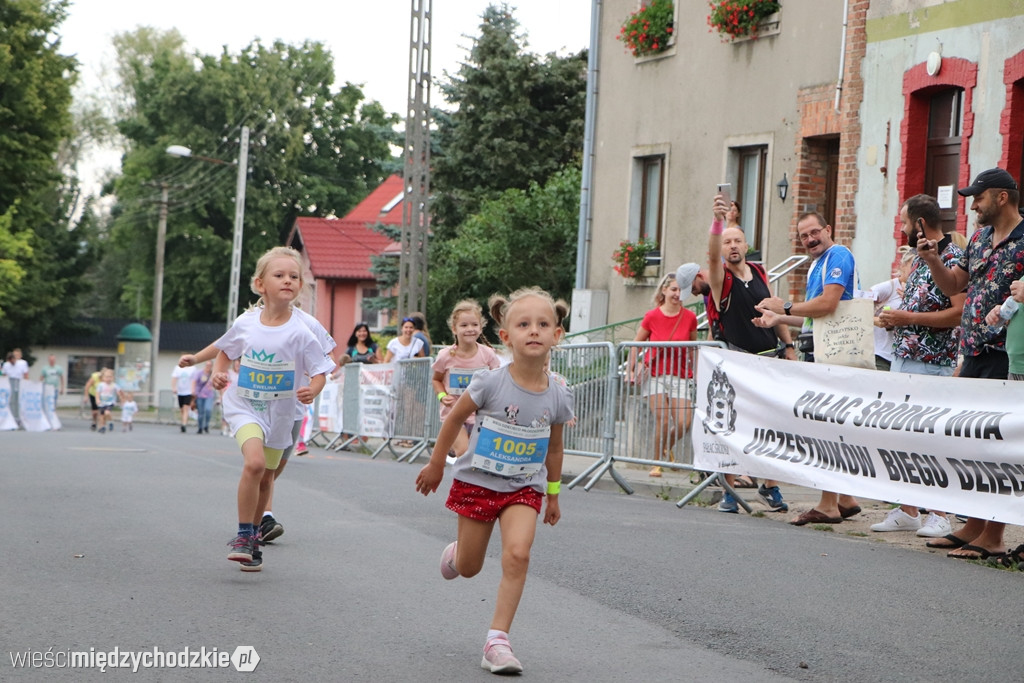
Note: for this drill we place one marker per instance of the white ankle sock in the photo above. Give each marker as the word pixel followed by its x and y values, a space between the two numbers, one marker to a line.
pixel 494 633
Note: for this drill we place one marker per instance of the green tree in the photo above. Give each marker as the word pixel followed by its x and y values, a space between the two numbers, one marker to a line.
pixel 517 119
pixel 315 150
pixel 37 201
pixel 522 238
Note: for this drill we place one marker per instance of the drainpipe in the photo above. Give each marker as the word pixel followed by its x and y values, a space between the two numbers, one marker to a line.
pixel 586 200
pixel 842 54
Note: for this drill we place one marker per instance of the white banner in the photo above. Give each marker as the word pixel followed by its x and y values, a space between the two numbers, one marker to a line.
pixel 330 406
pixel 50 406
pixel 30 406
pixel 376 403
pixel 941 443
pixel 7 421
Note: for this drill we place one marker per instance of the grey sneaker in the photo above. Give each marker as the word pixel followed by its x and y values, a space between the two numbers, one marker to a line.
pixel 728 504
pixel 270 529
pixel 255 564
pixel 498 657
pixel 772 497
pixel 241 548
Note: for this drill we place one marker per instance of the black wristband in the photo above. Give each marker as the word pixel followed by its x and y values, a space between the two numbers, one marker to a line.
pixel 790 345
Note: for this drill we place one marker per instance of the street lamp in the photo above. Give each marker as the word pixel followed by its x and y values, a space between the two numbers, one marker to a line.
pixel 236 244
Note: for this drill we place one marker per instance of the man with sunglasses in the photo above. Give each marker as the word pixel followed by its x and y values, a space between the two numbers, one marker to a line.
pixel 993 255
pixel 830 280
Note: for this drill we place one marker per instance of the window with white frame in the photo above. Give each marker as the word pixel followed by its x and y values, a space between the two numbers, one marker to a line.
pixel 751 166
pixel 651 171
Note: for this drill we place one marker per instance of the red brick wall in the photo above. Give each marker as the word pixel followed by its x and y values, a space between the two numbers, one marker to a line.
pixel 1011 124
pixel 819 119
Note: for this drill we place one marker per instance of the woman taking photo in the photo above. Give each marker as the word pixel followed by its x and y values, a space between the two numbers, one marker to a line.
pixel 664 372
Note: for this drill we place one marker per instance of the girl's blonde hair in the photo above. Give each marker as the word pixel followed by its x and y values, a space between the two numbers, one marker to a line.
pixel 907 254
pixel 466 306
pixel 264 263
pixel 659 293
pixel 499 305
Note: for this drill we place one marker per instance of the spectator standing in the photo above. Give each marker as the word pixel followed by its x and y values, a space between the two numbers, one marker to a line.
pixel 405 345
pixel 889 295
pixel 15 366
pixel 732 289
pixel 994 252
pixel 668 370
pixel 361 346
pixel 53 375
pixel 204 396
pixel 831 279
pixel 419 321
pixel 926 332
pixel 90 391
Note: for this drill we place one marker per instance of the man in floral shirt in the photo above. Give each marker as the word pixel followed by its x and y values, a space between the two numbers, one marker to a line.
pixel 926 332
pixel 995 258
pixel 926 327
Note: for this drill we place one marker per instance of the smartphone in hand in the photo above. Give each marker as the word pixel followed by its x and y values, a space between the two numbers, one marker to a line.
pixel 725 189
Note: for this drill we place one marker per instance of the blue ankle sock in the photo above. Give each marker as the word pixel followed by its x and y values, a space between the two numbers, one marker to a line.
pixel 246 529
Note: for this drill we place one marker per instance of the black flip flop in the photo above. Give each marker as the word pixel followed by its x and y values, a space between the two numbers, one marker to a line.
pixel 983 554
pixel 954 542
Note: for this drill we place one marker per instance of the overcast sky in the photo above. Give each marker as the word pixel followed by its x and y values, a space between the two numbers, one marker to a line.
pixel 369 39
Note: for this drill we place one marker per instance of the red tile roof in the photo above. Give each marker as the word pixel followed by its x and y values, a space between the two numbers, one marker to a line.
pixel 341 248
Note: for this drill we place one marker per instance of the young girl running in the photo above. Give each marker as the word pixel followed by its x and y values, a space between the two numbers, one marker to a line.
pixel 514 458
pixel 106 396
pixel 277 352
pixel 456 365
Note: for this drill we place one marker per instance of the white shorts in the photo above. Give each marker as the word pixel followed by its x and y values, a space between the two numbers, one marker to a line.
pixel 671 385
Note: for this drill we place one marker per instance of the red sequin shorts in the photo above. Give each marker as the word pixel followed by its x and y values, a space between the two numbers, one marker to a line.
pixel 485 505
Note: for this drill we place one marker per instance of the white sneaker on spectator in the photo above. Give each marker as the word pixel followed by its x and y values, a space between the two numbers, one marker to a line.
pixel 898 520
pixel 935 526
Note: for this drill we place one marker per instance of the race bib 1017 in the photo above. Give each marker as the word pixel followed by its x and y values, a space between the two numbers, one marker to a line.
pixel 261 381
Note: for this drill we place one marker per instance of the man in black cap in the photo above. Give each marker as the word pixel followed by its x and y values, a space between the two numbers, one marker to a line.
pixel 995 249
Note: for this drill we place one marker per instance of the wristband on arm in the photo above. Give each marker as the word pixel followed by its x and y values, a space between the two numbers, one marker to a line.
pixel 717 227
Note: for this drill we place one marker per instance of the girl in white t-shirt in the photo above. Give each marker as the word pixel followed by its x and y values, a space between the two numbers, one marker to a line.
pixel 404 345
pixel 456 364
pixel 277 352
pixel 106 397
pixel 514 459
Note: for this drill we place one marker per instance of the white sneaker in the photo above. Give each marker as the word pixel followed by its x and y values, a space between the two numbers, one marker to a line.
pixel 898 520
pixel 936 526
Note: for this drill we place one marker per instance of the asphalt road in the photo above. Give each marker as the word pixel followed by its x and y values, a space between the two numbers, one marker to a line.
pixel 118 540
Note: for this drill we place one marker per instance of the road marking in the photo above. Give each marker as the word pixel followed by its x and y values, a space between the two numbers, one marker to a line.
pixel 108 450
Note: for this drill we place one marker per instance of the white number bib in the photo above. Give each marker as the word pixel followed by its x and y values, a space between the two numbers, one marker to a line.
pixel 262 381
pixel 459 378
pixel 509 450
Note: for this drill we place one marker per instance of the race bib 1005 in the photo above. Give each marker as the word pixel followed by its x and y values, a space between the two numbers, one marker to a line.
pixel 261 381
pixel 510 450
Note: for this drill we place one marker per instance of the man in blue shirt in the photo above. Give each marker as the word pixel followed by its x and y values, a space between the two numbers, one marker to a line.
pixel 829 281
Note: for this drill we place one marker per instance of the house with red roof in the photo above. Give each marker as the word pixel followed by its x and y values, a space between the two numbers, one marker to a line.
pixel 337 252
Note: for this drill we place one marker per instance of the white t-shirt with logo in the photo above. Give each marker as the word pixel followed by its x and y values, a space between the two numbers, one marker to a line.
pixel 276 359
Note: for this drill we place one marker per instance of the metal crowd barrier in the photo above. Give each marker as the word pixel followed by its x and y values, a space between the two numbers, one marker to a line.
pixel 417 416
pixel 410 416
pixel 617 420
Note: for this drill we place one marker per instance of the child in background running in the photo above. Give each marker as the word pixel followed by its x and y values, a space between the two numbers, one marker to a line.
pixel 128 409
pixel 106 397
pixel 277 352
pixel 456 365
pixel 514 458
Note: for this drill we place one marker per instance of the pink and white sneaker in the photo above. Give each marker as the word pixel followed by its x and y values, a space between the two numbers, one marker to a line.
pixel 448 569
pixel 498 657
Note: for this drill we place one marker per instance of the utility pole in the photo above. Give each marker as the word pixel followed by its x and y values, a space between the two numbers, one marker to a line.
pixel 236 243
pixel 158 292
pixel 412 274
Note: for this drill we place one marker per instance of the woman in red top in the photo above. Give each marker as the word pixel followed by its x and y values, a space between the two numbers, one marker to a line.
pixel 669 368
